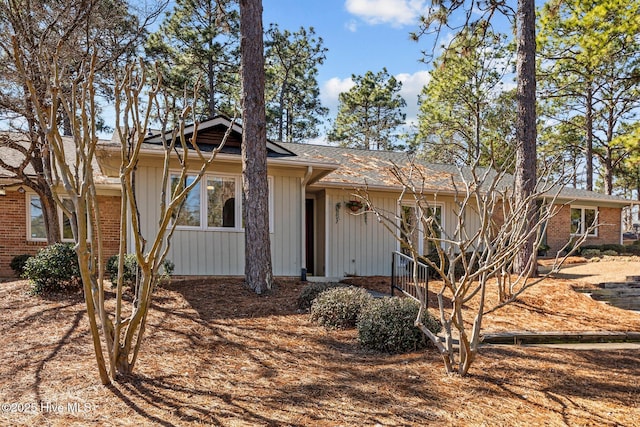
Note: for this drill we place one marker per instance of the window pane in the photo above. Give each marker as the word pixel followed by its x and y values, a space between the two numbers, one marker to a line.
pixel 436 213
pixel 190 209
pixel 38 230
pixel 409 229
pixel 221 202
pixel 67 232
pixel 590 219
pixel 576 218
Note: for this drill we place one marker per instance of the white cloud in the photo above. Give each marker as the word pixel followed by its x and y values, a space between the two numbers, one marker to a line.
pixel 331 90
pixel 352 25
pixel 412 85
pixel 394 12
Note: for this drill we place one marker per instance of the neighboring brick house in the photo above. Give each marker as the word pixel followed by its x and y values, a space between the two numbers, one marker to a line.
pixel 313 230
pixel 22 225
pixel 15 239
pixel 578 211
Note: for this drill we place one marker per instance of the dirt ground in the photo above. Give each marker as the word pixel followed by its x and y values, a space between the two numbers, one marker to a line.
pixel 216 354
pixel 597 270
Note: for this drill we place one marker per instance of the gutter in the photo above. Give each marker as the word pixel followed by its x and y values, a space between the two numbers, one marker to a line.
pixel 395 189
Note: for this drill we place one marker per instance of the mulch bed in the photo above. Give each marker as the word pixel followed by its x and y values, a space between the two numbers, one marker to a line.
pixel 216 354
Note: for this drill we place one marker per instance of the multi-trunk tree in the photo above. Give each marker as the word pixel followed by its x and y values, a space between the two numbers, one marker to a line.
pixel 118 329
pixel 294 110
pixel 370 113
pixel 478 251
pixel 38 30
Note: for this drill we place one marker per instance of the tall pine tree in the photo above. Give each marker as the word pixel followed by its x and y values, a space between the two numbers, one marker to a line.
pixel 199 39
pixel 370 113
pixel 464 106
pixel 294 110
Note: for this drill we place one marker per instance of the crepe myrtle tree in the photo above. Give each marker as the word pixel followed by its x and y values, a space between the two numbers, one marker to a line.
pixel 471 256
pixel 117 334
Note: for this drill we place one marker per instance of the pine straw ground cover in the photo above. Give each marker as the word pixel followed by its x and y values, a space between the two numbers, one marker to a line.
pixel 215 354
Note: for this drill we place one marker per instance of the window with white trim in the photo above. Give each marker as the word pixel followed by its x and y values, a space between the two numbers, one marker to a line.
pixel 582 218
pixel 215 203
pixel 36 229
pixel 412 231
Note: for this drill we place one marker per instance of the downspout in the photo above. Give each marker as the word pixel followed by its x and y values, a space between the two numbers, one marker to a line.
pixel 622 224
pixel 303 229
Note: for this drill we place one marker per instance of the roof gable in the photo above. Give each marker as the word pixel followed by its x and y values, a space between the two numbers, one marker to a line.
pixel 210 133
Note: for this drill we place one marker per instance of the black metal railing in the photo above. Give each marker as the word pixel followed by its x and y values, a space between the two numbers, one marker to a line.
pixel 402 277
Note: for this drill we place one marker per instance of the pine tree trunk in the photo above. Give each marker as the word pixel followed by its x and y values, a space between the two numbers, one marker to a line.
pixel 525 176
pixel 589 138
pixel 258 274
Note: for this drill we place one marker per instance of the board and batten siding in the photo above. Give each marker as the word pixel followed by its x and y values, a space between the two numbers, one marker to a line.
pixel 356 246
pixel 221 253
pixel 363 248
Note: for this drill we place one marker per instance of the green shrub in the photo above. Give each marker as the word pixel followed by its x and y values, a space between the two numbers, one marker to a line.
pixel 18 262
pixel 588 247
pixel 338 308
pixel 590 252
pixel 610 252
pixel 167 268
pixel 130 269
pixel 53 269
pixel 388 325
pixel 612 247
pixel 632 249
pixel 311 292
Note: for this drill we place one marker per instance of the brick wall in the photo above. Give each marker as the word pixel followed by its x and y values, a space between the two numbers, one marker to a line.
pixel 13 231
pixel 559 228
pixel 13 228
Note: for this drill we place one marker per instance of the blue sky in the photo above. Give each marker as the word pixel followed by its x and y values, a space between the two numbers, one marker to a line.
pixel 361 36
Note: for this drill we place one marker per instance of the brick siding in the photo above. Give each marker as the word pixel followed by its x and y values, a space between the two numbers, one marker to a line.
pixel 13 228
pixel 559 228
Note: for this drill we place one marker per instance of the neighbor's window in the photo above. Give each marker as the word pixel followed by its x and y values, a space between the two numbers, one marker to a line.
pixel 35 227
pixel 582 218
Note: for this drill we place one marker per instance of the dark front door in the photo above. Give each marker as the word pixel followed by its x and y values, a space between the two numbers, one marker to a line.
pixel 309 230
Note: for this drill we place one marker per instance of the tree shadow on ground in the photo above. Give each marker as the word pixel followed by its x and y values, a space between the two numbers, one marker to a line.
pixel 568 382
pixel 279 356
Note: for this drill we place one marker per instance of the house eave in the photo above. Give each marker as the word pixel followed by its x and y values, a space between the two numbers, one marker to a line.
pixel 110 161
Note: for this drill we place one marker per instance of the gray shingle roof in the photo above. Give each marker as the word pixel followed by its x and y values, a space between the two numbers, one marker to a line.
pixel 373 168
pixel 354 168
pixel 358 168
pixel 14 158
